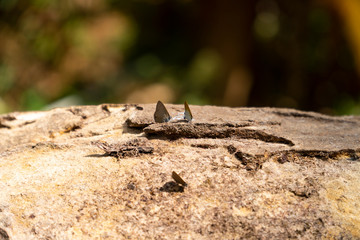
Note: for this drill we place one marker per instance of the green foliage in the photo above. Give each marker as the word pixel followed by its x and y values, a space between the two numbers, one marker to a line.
pixel 6 78
pixel 105 51
pixel 32 100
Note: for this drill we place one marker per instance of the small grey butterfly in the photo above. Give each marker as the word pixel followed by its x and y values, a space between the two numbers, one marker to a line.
pixel 187 114
pixel 161 114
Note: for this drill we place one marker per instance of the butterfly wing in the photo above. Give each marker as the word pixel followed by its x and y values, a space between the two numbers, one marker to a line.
pixel 187 114
pixel 161 114
pixel 178 179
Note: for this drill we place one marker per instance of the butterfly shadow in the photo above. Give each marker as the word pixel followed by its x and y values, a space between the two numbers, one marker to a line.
pixel 172 186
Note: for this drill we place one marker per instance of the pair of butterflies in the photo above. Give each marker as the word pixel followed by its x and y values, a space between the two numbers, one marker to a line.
pixel 161 115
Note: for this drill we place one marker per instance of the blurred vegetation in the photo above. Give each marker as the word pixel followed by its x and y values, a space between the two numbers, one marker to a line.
pixel 298 54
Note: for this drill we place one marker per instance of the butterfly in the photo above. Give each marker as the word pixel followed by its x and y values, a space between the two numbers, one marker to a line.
pixel 187 114
pixel 161 114
pixel 178 179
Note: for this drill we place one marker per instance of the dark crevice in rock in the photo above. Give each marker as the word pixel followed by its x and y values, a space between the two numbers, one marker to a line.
pixel 205 130
pixel 105 107
pixel 349 154
pixel 248 161
pixel 8 118
pixel 251 163
pixel 77 111
pixel 262 136
pixel 27 123
pixel 67 129
pixel 204 145
pixel 3 235
pixel 254 162
pixel 231 149
pixel 283 158
pixel 88 112
pixel 4 125
pixel 136 106
pixel 72 127
pixel 136 123
pixel 299 193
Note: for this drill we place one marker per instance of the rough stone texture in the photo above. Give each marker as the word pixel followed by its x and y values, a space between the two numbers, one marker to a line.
pixel 104 172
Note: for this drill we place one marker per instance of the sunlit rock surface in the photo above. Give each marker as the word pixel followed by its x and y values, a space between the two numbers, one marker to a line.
pixel 104 172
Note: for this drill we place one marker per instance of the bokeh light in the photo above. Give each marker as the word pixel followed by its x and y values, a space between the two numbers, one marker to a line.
pixel 298 54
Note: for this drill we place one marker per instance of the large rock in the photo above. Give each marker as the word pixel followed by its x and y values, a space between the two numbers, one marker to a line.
pixel 97 172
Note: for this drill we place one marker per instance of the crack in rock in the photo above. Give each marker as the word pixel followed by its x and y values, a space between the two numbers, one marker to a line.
pixel 2 125
pixel 205 130
pixel 254 162
pixel 3 235
pixel 349 154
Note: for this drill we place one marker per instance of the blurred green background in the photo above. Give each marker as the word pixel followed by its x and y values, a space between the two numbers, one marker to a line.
pixel 301 54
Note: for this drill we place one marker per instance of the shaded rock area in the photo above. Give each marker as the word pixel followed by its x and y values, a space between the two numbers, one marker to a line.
pixel 107 172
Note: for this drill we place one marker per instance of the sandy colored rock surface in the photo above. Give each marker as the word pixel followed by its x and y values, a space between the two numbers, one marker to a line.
pixel 104 172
